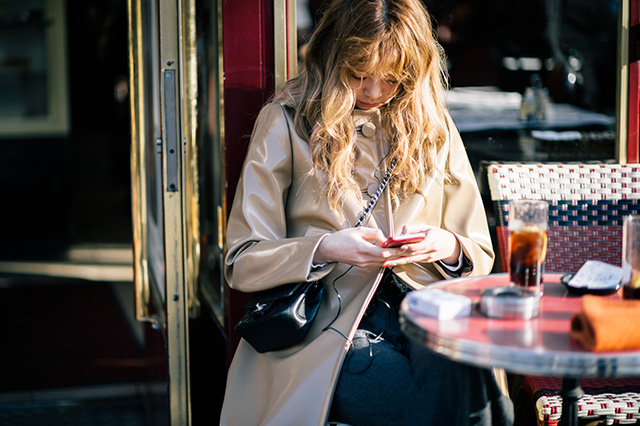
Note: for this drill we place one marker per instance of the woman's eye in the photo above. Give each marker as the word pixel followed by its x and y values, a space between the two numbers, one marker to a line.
pixel 392 82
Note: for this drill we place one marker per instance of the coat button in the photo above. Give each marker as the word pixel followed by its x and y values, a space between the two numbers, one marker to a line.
pixel 372 189
pixel 368 129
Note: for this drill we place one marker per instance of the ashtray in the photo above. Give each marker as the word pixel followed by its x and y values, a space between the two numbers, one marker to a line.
pixel 510 303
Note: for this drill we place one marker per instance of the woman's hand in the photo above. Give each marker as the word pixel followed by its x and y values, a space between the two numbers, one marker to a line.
pixel 353 246
pixel 361 247
pixel 438 244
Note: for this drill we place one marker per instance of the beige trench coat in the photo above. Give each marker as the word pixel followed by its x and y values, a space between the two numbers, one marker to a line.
pixel 278 218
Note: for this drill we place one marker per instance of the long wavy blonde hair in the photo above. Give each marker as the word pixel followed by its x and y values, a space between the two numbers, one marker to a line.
pixel 365 37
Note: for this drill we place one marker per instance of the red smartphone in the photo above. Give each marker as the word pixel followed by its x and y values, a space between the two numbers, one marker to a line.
pixel 402 239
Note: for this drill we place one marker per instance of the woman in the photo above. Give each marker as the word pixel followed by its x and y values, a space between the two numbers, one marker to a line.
pixel 369 95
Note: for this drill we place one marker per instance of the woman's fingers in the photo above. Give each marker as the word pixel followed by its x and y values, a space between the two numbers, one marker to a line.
pixel 355 246
pixel 438 244
pixel 361 247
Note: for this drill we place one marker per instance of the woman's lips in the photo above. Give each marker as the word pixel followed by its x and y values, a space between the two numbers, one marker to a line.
pixel 368 106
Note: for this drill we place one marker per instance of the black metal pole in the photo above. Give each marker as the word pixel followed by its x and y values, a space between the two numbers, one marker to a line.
pixel 570 393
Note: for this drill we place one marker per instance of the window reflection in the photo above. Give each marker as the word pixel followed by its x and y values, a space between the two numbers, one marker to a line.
pixel 530 80
pixel 569 44
pixel 23 59
pixel 210 168
pixel 33 80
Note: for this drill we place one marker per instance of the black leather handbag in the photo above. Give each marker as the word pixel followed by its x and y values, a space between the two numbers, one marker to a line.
pixel 281 317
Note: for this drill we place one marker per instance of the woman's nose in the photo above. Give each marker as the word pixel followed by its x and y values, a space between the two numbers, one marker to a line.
pixel 373 89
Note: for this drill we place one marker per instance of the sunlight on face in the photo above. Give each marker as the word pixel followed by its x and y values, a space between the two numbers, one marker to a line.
pixel 372 91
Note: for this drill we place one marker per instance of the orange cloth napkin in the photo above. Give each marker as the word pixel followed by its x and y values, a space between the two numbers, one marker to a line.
pixel 607 324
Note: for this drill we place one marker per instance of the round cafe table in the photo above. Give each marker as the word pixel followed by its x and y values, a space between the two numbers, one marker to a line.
pixel 539 346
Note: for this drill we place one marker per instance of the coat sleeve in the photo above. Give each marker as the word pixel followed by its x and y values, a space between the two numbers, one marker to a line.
pixel 260 252
pixel 463 209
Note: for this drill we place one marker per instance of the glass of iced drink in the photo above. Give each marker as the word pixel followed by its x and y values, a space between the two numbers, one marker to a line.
pixel 528 221
pixel 631 257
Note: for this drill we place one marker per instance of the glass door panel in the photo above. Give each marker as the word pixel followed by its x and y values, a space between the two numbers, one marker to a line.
pixel 210 149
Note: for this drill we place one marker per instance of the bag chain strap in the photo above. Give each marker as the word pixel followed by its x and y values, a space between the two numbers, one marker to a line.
pixel 363 216
pixel 374 199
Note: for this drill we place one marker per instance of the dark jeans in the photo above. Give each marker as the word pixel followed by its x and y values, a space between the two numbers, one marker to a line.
pixel 387 380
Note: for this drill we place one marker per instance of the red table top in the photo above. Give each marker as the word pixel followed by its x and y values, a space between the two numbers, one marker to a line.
pixel 537 346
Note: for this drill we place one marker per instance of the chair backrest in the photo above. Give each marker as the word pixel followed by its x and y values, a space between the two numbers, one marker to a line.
pixel 587 203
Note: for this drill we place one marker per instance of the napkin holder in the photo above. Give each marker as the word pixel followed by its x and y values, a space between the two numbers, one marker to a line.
pixel 440 304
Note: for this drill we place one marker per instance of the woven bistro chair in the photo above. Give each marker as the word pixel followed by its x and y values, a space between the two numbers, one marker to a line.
pixel 587 203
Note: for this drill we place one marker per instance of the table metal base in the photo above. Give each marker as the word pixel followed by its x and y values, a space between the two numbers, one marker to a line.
pixel 570 392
